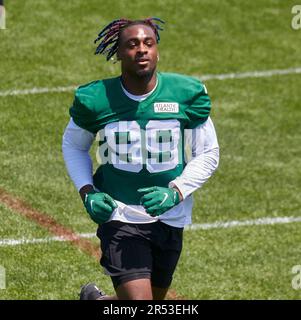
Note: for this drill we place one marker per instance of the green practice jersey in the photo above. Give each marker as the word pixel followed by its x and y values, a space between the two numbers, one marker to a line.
pixel 140 143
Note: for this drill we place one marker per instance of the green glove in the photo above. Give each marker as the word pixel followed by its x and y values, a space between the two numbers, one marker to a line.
pixel 157 200
pixel 99 205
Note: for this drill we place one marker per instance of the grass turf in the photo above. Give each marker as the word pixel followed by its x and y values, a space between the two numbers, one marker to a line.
pixel 257 121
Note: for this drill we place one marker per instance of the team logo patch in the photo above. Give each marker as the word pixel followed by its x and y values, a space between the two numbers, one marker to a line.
pixel 167 107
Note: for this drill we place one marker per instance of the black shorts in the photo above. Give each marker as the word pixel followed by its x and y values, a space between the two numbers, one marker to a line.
pixel 138 251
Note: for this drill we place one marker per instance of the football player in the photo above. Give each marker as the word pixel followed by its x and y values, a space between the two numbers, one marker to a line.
pixel 156 146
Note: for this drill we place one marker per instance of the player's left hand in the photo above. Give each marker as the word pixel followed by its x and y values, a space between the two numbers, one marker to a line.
pixel 157 200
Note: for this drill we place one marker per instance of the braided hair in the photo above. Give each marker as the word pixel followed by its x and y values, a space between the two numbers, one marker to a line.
pixel 109 35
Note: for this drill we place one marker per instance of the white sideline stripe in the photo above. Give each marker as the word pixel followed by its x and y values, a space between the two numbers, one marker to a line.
pixel 14 242
pixel 16 92
pixel 202 226
pixel 251 74
pixel 205 77
pixel 242 223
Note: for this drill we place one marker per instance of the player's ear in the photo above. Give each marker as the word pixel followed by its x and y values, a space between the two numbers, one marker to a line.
pixel 158 57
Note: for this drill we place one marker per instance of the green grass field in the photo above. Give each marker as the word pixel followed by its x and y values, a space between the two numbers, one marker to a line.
pixel 49 44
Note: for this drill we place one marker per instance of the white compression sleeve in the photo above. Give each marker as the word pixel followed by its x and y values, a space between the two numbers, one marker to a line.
pixel 75 146
pixel 204 149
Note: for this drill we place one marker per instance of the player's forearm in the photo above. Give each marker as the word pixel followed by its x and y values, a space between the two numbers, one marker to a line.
pixel 75 147
pixel 197 172
pixel 79 166
pixel 202 141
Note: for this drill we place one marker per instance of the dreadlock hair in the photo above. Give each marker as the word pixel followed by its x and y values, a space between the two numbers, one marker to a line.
pixel 110 34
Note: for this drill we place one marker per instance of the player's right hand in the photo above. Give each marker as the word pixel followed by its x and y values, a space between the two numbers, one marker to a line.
pixel 100 206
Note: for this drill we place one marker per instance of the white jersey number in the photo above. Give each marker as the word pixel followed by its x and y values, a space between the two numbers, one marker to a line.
pixel 125 145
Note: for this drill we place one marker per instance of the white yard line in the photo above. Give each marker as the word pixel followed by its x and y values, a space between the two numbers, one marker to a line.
pixel 15 242
pixel 251 74
pixel 16 92
pixel 242 223
pixel 205 77
pixel 200 226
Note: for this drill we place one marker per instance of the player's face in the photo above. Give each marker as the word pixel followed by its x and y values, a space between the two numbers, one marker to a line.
pixel 138 50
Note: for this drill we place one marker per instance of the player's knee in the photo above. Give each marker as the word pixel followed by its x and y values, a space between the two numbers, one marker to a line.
pixel 129 294
pixel 139 289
